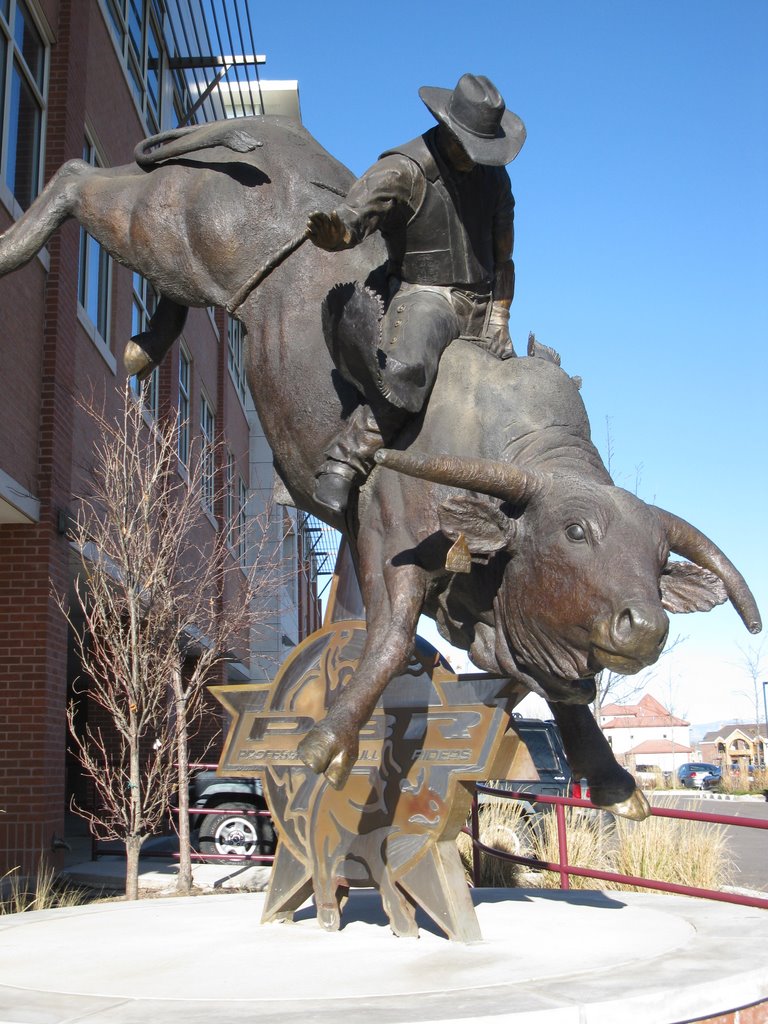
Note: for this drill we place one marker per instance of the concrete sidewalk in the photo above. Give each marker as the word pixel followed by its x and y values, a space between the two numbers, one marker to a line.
pixel 158 869
pixel 159 874
pixel 546 958
pixel 708 794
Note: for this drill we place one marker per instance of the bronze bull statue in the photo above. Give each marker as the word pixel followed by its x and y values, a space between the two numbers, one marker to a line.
pixel 564 574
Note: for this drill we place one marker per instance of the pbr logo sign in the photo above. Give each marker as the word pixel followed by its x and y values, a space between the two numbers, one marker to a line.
pixel 395 822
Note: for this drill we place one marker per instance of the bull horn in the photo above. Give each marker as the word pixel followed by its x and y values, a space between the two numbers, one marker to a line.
pixel 498 479
pixel 689 542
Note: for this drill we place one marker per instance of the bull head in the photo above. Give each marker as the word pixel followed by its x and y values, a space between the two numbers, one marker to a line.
pixel 588 578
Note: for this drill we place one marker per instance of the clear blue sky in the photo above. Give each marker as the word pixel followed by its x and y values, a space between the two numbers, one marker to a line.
pixel 642 231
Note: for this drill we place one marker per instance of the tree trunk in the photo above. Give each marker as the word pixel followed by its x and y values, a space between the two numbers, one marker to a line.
pixel 135 836
pixel 184 882
pixel 132 850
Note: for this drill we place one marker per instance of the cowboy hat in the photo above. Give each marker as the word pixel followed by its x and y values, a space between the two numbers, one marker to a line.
pixel 475 112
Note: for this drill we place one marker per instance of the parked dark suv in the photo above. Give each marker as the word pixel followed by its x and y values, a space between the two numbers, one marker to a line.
pixel 237 828
pixel 542 738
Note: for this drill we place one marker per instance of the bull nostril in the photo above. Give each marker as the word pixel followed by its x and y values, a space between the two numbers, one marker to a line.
pixel 638 626
pixel 623 625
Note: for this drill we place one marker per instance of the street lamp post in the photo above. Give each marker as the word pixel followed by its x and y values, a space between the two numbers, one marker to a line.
pixel 765 717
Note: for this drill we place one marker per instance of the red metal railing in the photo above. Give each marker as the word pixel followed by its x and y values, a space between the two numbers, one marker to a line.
pixel 565 869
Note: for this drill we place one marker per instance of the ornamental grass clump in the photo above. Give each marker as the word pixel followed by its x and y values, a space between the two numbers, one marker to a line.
pixel 590 841
pixel 502 826
pixel 743 781
pixel 691 853
pixel 45 891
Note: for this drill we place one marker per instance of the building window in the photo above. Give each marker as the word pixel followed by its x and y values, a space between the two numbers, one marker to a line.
pixel 23 71
pixel 94 283
pixel 135 26
pixel 229 495
pixel 236 355
pixel 185 369
pixel 235 497
pixel 147 392
pixel 143 306
pixel 242 500
pixel 208 462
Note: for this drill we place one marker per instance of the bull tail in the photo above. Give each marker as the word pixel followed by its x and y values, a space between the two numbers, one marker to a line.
pixel 177 142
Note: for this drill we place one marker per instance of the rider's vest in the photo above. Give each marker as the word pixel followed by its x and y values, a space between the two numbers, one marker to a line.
pixel 449 238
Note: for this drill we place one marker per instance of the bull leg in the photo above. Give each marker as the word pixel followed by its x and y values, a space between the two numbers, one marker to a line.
pixel 145 351
pixel 53 206
pixel 398 908
pixel 327 898
pixel 591 757
pixel 331 746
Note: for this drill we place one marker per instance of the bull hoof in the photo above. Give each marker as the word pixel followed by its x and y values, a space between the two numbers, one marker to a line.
pixel 328 917
pixel 136 361
pixel 635 807
pixel 322 751
pixel 338 770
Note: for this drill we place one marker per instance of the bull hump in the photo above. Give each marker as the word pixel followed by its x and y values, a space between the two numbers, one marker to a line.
pixel 481 404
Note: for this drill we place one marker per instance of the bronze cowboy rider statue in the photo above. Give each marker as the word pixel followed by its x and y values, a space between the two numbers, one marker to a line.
pixel 444 207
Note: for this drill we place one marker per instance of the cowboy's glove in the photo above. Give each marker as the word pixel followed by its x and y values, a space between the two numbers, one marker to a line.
pixel 497 334
pixel 328 231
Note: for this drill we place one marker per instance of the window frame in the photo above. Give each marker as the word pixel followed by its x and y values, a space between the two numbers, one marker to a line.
pixel 148 390
pixel 208 457
pixel 229 495
pixel 135 61
pixel 236 333
pixel 242 520
pixel 184 409
pixel 13 57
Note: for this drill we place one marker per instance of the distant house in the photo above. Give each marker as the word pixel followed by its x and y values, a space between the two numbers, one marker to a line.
pixel 646 734
pixel 735 746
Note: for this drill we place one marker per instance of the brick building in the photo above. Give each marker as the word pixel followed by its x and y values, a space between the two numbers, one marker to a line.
pixel 738 746
pixel 90 78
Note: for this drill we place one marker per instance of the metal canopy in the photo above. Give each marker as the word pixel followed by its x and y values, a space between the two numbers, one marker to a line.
pixel 213 58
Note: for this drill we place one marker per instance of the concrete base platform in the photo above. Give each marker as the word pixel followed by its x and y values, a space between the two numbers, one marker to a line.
pixel 546 958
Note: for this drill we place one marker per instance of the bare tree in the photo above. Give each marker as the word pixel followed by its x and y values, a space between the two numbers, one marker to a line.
pixel 161 601
pixel 752 662
pixel 614 688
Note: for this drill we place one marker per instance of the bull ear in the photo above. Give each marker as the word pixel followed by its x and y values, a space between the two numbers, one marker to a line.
pixel 686 587
pixel 485 527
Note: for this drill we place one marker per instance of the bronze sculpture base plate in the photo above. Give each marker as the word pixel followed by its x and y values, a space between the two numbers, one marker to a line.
pixel 394 824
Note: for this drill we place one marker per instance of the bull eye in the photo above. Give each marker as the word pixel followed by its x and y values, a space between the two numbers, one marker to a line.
pixel 575 532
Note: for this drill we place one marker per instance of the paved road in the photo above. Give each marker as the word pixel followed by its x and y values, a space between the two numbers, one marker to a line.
pixel 749 847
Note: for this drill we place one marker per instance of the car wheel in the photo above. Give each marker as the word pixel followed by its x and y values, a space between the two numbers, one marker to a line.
pixel 235 833
pixel 513 833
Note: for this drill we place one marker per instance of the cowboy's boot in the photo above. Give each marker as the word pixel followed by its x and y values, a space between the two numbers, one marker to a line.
pixel 349 459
